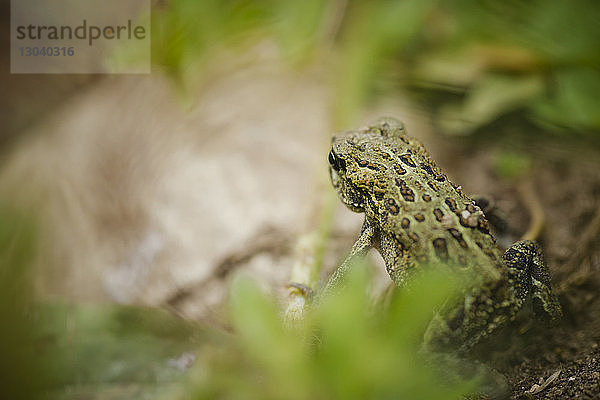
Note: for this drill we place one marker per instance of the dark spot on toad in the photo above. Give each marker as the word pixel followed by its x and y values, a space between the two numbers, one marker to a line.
pixel 490 253
pixel 405 191
pixel 441 250
pixel 360 162
pixel 392 207
pixel 399 170
pixel 483 226
pixel 414 237
pixel 433 186
pixel 427 168
pixel 458 236
pixel 451 203
pixel 406 159
pixel 375 166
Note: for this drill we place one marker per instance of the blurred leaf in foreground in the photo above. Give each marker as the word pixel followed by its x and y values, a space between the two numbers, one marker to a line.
pixel 343 349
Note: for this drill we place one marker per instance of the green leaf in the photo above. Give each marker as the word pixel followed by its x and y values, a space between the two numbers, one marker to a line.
pixel 491 97
pixel 573 100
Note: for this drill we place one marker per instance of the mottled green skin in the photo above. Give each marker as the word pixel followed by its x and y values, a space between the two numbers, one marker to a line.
pixel 415 216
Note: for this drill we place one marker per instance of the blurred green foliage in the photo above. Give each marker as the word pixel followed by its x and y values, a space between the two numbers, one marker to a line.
pixel 74 351
pixel 112 352
pixel 344 349
pixel 20 378
pixel 537 57
pixel 511 165
pixel 187 33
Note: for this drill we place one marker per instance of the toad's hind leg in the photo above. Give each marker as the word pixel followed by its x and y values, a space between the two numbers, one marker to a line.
pixel 524 260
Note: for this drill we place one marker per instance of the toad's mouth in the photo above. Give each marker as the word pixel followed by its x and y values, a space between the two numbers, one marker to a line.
pixel 342 184
pixel 350 197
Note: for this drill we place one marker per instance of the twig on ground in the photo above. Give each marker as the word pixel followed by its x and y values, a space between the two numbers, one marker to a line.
pixel 536 388
pixel 534 207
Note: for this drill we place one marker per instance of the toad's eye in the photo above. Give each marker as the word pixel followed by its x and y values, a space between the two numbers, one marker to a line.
pixel 336 162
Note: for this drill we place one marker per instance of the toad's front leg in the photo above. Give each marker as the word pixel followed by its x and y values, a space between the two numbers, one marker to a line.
pixel 369 234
